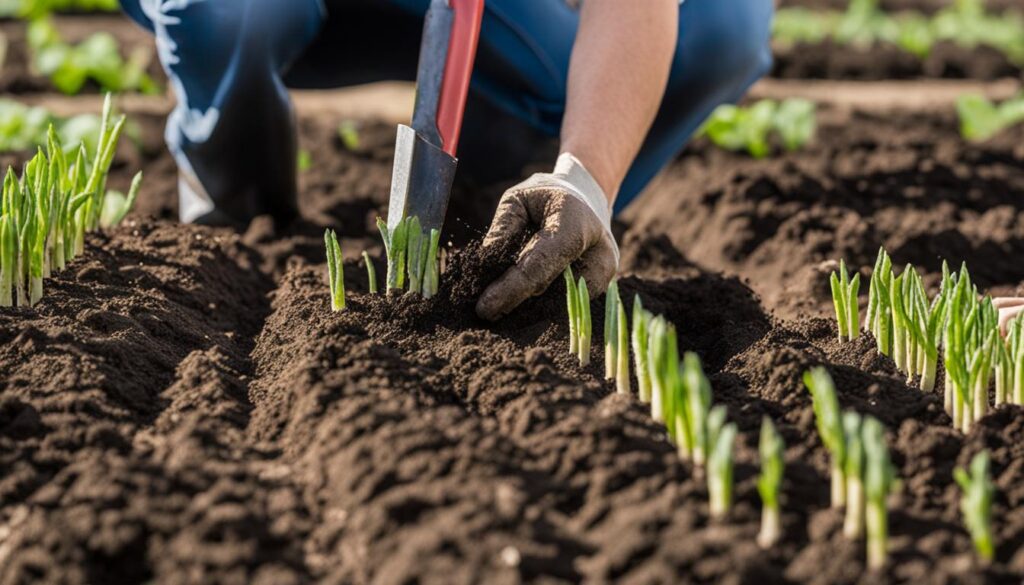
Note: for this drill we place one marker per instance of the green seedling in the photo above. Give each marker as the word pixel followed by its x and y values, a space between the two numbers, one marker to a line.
pixel 830 428
pixel 976 504
pixel 844 298
pixel 720 463
pixel 371 273
pixel 335 270
pixel 771 448
pixel 879 482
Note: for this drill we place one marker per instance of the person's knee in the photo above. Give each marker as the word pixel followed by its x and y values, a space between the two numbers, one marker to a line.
pixel 725 42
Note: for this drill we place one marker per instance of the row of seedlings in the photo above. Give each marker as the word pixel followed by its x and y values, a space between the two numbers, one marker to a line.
pixel 912 329
pixel 412 261
pixel 862 474
pixel 46 212
pixel 679 395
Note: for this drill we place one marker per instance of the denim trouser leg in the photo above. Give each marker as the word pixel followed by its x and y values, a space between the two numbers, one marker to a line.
pixel 232 132
pixel 227 63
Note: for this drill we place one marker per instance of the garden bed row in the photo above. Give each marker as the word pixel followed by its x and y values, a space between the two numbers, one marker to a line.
pixel 184 406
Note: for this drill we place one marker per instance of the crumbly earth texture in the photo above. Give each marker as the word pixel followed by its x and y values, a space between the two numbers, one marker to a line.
pixel 183 407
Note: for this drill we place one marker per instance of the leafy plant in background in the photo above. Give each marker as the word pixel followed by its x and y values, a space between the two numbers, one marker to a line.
pixel 751 128
pixel 45 212
pixel 771 448
pixel 32 9
pixel 966 23
pixel 348 133
pixel 335 270
pixel 303 160
pixel 97 58
pixel 24 127
pixel 976 504
pixel 980 119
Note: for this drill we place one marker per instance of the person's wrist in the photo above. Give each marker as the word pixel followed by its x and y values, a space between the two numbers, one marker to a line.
pixel 585 187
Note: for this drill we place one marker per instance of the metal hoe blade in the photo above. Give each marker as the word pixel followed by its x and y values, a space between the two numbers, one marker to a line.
pixel 422 177
pixel 421 180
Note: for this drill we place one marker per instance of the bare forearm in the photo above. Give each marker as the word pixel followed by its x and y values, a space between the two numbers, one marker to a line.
pixel 617 76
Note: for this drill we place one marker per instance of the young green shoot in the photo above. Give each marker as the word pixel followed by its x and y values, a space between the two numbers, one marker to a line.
pixel 584 325
pixel 572 302
pixel 661 362
pixel 720 463
pixel 412 256
pixel 611 333
pixel 395 249
pixel 371 273
pixel 830 428
pixel 117 205
pixel 639 339
pixel 772 449
pixel 335 270
pixel 616 340
pixel 879 312
pixel 844 297
pixel 853 524
pixel 879 482
pixel 976 504
pixel 622 382
pixel 46 212
pixel 694 431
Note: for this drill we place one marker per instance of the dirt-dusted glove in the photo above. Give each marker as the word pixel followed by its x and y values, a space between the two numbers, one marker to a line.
pixel 570 213
pixel 1009 309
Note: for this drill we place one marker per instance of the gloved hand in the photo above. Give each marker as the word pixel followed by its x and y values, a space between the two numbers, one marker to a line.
pixel 1009 309
pixel 573 221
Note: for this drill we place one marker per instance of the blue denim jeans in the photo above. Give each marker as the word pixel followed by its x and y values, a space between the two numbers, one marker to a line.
pixel 230 62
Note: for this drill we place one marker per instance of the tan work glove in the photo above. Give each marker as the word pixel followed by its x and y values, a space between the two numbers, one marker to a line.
pixel 1009 309
pixel 570 212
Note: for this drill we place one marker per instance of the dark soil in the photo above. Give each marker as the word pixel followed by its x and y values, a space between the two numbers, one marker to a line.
pixel 904 180
pixel 926 6
pixel 183 407
pixel 829 60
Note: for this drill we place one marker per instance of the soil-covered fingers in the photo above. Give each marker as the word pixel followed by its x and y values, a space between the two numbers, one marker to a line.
pixel 510 220
pixel 598 267
pixel 568 229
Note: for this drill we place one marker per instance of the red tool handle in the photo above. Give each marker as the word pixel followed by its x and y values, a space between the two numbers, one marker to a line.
pixel 458 68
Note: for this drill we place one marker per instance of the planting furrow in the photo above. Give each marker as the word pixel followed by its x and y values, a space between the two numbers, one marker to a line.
pixel 120 393
pixel 404 483
pixel 604 469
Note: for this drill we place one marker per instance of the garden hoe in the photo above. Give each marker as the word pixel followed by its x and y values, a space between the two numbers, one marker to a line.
pixel 425 153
